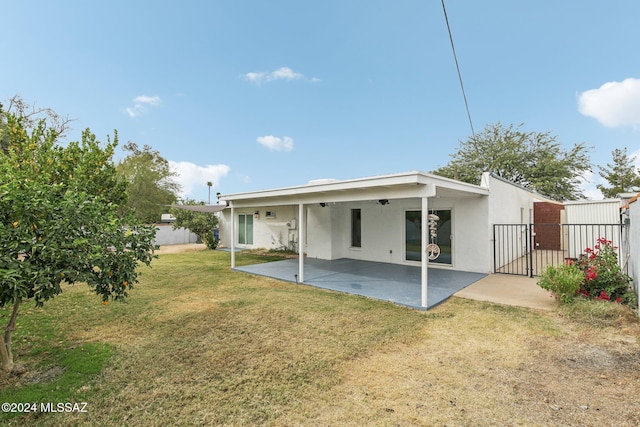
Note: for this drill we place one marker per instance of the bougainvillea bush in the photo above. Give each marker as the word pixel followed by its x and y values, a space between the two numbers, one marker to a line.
pixel 603 278
pixel 596 275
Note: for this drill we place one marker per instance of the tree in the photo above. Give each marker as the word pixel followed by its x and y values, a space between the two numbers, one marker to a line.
pixel 151 187
pixel 201 224
pixel 534 160
pixel 59 221
pixel 622 175
pixel 31 116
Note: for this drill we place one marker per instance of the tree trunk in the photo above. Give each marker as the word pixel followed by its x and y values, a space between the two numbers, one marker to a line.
pixel 5 350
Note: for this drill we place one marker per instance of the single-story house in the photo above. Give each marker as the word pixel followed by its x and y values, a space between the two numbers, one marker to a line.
pixel 410 218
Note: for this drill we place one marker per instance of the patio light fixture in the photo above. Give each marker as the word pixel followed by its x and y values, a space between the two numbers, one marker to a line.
pixel 383 202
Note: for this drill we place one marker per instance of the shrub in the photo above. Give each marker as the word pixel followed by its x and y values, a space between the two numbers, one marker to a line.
pixel 603 278
pixel 563 281
pixel 210 240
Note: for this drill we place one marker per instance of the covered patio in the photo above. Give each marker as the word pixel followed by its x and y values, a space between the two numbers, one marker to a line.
pixel 400 284
pixel 334 223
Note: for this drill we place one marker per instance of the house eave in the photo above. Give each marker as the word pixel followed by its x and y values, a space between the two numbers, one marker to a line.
pixel 396 186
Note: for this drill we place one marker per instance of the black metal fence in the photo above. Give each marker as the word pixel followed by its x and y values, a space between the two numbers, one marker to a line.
pixel 527 249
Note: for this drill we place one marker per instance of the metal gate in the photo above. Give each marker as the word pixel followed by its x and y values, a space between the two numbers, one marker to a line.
pixel 527 249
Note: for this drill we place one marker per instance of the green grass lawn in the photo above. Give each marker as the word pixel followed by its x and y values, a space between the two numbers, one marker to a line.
pixel 199 344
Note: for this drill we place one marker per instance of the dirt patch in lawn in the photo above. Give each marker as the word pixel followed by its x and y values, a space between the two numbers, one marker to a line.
pixel 177 249
pixel 470 370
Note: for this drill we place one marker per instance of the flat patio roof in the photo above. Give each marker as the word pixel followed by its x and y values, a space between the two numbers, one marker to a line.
pixel 400 284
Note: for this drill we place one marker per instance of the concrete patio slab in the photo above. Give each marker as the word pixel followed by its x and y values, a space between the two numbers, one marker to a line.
pixel 399 284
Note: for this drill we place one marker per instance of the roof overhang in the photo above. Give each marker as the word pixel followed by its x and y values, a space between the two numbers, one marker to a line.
pixel 396 186
pixel 201 208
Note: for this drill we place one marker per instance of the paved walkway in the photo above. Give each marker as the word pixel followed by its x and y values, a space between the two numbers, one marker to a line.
pixel 508 289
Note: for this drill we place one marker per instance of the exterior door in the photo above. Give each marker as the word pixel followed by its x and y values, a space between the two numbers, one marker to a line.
pixel 413 236
pixel 245 229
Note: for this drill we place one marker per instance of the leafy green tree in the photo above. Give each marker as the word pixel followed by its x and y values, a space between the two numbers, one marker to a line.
pixel 151 186
pixel 59 221
pixel 534 160
pixel 31 116
pixel 201 224
pixel 622 175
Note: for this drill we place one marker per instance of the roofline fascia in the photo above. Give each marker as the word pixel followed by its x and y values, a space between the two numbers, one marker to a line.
pixel 406 178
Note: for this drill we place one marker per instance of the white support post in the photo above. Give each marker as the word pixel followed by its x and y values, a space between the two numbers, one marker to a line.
pixel 301 242
pixel 424 263
pixel 233 236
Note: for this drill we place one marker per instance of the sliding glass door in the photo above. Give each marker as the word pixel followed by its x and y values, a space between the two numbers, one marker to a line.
pixel 442 237
pixel 245 229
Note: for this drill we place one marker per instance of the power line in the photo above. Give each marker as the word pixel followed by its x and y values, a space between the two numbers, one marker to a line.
pixel 455 57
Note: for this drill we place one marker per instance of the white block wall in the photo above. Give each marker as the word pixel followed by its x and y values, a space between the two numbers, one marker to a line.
pixel 166 235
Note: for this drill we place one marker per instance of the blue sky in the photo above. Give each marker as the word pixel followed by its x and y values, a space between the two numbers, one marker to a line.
pixel 263 94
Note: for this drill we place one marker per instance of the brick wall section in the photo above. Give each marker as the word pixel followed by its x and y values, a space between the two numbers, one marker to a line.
pixel 548 236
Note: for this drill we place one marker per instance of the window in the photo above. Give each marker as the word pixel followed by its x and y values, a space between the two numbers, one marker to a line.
pixel 356 228
pixel 245 229
pixel 270 214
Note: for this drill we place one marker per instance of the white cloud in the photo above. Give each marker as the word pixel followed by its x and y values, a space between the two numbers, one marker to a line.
pixel 191 176
pixel 141 103
pixel 150 100
pixel 636 154
pixel 613 104
pixel 254 77
pixel 275 143
pixel 282 73
pixel 588 186
pixel 285 73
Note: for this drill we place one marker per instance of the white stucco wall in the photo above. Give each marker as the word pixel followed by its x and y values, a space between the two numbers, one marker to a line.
pixel 270 233
pixel 319 231
pixel 509 204
pixel 634 245
pixel 383 232
pixel 472 235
